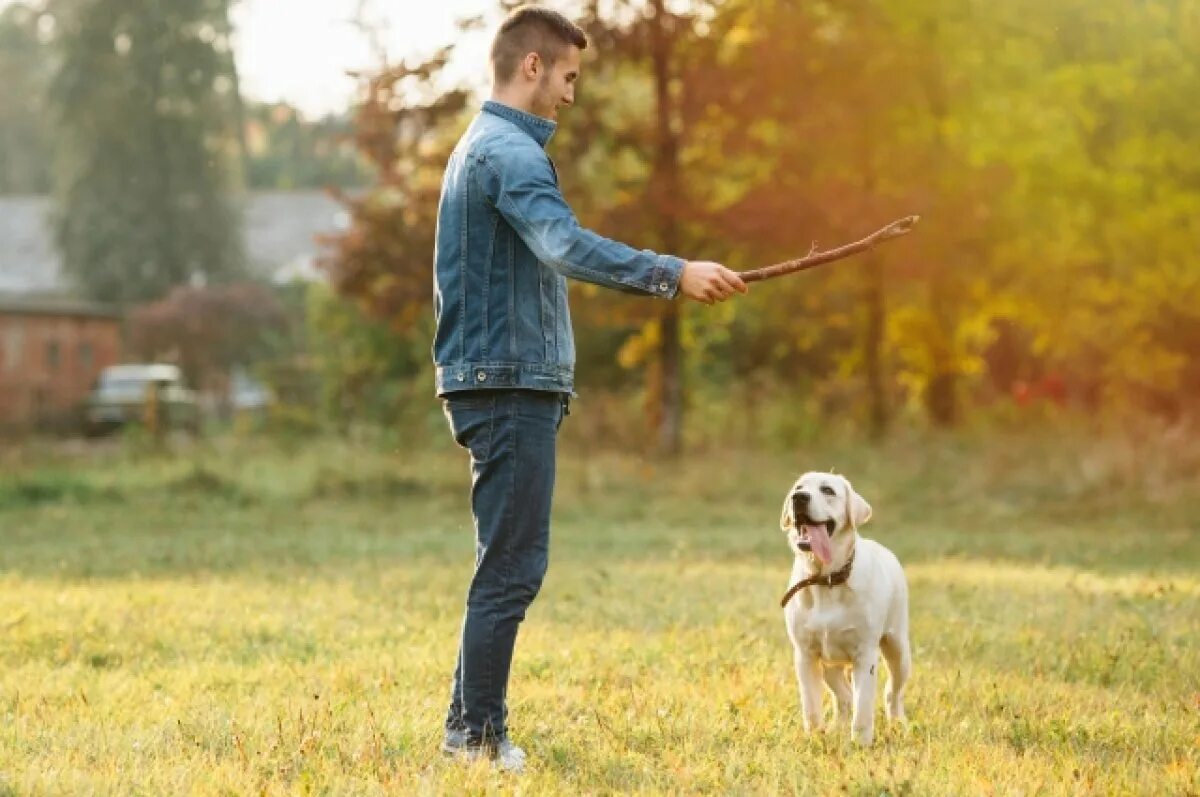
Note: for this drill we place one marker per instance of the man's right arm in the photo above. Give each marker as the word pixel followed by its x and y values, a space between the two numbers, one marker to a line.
pixel 521 185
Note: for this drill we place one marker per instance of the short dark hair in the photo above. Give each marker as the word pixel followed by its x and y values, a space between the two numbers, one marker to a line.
pixel 532 29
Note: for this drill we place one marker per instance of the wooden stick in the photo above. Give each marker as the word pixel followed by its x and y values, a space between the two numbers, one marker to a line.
pixel 815 258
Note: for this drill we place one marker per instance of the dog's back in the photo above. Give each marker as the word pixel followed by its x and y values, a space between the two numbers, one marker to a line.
pixel 890 587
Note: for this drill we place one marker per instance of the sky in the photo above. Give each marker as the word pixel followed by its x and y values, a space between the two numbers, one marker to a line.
pixel 299 50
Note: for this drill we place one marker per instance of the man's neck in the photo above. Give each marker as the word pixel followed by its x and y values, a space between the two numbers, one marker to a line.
pixel 512 100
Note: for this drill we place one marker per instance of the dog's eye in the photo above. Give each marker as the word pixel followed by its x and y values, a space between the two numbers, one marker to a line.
pixel 825 488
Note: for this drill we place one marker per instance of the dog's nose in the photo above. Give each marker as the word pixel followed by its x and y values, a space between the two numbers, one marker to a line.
pixel 801 497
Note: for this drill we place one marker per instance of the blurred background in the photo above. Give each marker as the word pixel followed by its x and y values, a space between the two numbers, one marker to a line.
pixel 242 193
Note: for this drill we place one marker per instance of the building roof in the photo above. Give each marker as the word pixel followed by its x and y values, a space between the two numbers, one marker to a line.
pixel 54 304
pixel 280 229
pixel 28 262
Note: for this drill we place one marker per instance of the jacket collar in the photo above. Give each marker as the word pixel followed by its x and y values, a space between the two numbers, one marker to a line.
pixel 539 129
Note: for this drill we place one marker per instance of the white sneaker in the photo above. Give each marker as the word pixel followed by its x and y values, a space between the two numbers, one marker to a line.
pixel 509 757
pixel 505 755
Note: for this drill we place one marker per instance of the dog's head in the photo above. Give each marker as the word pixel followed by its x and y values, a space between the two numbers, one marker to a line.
pixel 819 510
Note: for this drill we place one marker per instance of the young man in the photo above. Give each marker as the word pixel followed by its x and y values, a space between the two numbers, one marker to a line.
pixel 504 351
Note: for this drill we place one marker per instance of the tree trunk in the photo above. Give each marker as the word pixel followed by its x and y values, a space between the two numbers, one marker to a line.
pixel 239 121
pixel 941 399
pixel 873 303
pixel 873 300
pixel 666 188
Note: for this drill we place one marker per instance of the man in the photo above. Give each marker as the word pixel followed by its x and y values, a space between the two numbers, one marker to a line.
pixel 504 351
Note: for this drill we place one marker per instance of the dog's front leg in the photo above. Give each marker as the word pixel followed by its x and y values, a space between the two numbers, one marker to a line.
pixel 863 726
pixel 808 673
pixel 835 679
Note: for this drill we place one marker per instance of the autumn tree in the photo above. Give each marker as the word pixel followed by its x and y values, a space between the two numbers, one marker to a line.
pixel 1096 124
pixel 1049 160
pixel 406 128
pixel 208 330
pixel 622 160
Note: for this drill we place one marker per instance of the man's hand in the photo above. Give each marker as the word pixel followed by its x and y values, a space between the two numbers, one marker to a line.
pixel 709 283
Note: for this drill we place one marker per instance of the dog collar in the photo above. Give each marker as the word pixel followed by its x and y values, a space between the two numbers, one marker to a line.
pixel 833 579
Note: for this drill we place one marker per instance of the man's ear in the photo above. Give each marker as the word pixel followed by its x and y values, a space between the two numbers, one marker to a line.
pixel 858 511
pixel 532 66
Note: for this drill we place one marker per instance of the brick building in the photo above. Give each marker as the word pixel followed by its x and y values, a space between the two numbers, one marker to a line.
pixel 51 351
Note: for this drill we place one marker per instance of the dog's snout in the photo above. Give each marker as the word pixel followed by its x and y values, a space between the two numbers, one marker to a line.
pixel 801 497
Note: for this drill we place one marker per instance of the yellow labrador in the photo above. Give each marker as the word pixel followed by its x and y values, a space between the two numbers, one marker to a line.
pixel 847 600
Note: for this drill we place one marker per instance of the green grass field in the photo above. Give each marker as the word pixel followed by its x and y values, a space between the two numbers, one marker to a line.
pixel 245 618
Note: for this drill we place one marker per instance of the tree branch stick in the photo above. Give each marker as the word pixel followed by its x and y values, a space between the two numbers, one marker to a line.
pixel 814 258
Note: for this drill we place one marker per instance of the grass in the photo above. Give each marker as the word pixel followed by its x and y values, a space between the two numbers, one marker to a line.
pixel 246 618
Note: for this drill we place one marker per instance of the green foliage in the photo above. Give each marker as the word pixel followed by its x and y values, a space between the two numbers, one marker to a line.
pixel 1050 160
pixel 1046 158
pixel 405 126
pixel 287 151
pixel 210 330
pixel 293 424
pixel 143 102
pixel 51 488
pixel 25 130
pixel 365 369
pixel 203 485
pixel 1104 206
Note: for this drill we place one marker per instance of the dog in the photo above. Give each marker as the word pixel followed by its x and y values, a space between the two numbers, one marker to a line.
pixel 847 601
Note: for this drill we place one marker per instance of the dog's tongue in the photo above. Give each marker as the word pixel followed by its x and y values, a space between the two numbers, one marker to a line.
pixel 818 538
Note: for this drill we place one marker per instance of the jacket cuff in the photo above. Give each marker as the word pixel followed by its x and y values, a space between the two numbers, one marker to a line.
pixel 664 280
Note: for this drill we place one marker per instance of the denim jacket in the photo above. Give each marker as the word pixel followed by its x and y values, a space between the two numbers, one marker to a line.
pixel 506 242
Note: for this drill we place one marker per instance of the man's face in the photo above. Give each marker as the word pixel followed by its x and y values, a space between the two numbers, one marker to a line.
pixel 557 85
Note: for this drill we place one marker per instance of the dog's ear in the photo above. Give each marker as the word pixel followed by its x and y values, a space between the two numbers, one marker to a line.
pixel 858 511
pixel 787 521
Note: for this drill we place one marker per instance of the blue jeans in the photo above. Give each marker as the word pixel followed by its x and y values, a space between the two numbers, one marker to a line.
pixel 511 436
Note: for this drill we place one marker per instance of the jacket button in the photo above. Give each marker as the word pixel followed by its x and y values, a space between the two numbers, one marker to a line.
pixel 462 377
pixel 481 376
pixel 662 286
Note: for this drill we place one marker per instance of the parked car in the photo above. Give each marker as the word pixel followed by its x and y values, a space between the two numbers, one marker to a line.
pixel 247 394
pixel 122 393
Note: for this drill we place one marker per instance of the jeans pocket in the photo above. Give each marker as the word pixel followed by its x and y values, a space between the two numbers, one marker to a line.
pixel 564 410
pixel 471 421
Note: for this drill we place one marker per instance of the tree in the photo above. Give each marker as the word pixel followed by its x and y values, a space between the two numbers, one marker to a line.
pixel 1097 125
pixel 146 150
pixel 406 129
pixel 287 151
pixel 208 330
pixel 623 169
pixel 365 369
pixel 25 133
pixel 1050 162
